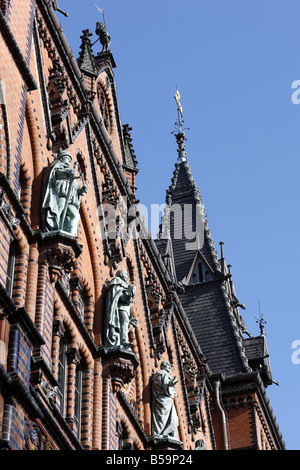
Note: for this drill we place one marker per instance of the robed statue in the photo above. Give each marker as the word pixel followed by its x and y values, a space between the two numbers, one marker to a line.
pixel 61 196
pixel 119 318
pixel 164 415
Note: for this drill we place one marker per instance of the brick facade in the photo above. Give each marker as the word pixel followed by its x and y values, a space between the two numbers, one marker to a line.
pixel 59 387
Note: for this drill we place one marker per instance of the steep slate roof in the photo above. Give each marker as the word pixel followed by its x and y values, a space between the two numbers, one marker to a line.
pixel 207 304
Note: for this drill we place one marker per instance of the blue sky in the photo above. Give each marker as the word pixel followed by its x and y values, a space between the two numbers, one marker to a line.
pixel 234 63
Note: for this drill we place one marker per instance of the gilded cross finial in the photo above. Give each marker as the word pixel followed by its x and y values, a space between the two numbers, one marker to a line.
pixel 179 108
pixel 180 135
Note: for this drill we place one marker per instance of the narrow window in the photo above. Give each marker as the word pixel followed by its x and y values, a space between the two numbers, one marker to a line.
pixel 10 270
pixel 62 361
pixel 78 395
pixel 200 272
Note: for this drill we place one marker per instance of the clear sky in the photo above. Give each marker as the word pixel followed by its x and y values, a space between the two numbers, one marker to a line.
pixel 234 63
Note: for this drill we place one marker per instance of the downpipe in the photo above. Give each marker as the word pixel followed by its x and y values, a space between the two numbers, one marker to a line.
pixel 221 411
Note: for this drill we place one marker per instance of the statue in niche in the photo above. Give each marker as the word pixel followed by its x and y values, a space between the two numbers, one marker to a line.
pixel 61 196
pixel 119 319
pixel 164 415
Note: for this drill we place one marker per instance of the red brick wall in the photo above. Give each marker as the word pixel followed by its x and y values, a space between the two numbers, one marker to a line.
pixel 44 299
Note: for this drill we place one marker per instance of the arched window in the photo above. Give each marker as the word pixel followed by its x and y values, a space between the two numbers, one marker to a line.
pixel 73 378
pixel 200 272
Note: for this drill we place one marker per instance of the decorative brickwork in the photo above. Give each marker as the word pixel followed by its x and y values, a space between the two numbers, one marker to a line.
pixel 61 387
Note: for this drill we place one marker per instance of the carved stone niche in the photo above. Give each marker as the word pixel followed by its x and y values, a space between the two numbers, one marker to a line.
pixel 59 253
pixel 119 365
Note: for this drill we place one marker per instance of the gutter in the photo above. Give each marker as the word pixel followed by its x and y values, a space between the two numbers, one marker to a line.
pixel 221 411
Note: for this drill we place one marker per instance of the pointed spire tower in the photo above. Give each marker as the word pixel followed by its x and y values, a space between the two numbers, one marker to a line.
pixel 202 281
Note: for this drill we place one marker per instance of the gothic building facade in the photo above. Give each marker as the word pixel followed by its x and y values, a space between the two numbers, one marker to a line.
pixel 97 317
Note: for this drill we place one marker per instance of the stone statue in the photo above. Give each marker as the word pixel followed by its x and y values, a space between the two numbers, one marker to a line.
pixel 61 196
pixel 127 321
pixel 102 32
pixel 118 312
pixel 164 415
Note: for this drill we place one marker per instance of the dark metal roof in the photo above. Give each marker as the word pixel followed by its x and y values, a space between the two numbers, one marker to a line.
pixel 206 304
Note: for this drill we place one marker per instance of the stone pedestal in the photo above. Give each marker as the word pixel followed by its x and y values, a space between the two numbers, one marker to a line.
pixel 59 252
pixel 119 365
pixel 164 443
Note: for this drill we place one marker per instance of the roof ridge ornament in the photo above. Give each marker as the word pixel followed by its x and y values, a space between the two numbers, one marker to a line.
pixel 180 135
pixel 179 108
pixel 261 321
pixel 101 31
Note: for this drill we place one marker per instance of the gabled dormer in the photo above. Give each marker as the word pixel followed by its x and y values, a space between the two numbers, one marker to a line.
pixel 200 271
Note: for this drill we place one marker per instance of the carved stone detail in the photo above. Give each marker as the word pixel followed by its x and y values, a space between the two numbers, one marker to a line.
pixel 120 366
pixel 61 97
pixel 33 439
pixel 59 255
pixel 6 208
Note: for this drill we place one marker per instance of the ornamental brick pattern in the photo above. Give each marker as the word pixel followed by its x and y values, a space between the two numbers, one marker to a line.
pixel 60 387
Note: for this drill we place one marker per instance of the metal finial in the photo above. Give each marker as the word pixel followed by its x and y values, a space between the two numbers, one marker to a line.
pixel 261 321
pixel 179 123
pixel 179 109
pixel 180 135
